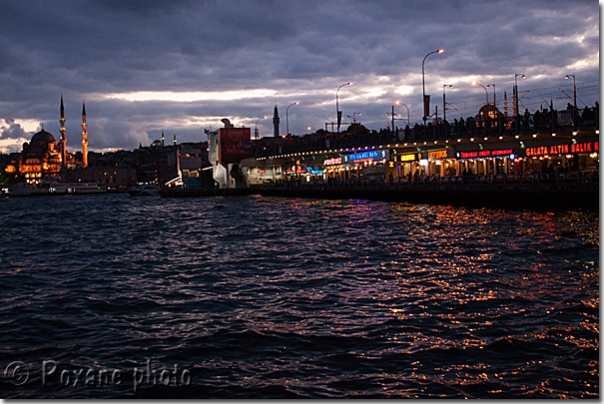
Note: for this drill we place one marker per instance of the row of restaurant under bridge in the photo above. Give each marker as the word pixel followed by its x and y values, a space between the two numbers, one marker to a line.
pixel 535 155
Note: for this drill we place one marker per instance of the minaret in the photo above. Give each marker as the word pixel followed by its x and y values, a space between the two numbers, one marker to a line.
pixel 276 122
pixel 63 138
pixel 505 104
pixel 84 137
pixel 175 139
pixel 162 138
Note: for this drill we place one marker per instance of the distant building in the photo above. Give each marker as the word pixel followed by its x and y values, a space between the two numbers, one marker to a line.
pixel 44 157
pixel 227 147
pixel 40 158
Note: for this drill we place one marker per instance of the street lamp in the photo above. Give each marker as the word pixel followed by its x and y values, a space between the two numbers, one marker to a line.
pixel 427 104
pixel 494 94
pixel 287 116
pixel 444 101
pixel 400 103
pixel 354 120
pixel 516 92
pixel 485 90
pixel 256 127
pixel 574 87
pixel 338 112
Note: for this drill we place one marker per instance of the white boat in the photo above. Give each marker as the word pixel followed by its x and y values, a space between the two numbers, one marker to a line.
pixel 145 190
pixel 54 187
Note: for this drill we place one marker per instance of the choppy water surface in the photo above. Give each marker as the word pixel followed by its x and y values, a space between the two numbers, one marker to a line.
pixel 111 296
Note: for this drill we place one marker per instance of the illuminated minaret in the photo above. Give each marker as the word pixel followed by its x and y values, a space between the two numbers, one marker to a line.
pixel 276 122
pixel 84 137
pixel 63 138
pixel 162 138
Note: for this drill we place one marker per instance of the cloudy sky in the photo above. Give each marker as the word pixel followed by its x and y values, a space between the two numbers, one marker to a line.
pixel 180 66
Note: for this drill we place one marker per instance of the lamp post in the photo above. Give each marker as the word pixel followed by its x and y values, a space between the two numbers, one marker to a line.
pixel 287 116
pixel 256 136
pixel 427 104
pixel 444 101
pixel 574 88
pixel 338 112
pixel 256 127
pixel 516 112
pixel 485 90
pixel 408 120
pixel 354 120
pixel 494 94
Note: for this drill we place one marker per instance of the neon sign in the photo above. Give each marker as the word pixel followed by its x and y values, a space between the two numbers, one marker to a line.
pixel 585 147
pixel 440 154
pixel 333 161
pixel 484 153
pixel 407 157
pixel 365 156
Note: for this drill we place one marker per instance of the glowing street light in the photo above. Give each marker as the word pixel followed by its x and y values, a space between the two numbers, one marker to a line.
pixel 427 103
pixel 494 94
pixel 574 88
pixel 485 90
pixel 516 112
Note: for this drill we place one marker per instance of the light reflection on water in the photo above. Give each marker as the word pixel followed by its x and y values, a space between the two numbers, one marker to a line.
pixel 264 297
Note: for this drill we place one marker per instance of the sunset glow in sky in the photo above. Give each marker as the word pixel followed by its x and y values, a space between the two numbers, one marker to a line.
pixel 147 66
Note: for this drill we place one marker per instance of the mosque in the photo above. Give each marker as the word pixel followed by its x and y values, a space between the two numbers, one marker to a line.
pixel 44 157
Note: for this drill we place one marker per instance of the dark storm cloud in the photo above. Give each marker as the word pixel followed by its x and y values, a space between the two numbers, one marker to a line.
pixel 12 130
pixel 301 50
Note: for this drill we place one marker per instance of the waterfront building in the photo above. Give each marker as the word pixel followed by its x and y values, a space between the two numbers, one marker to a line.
pixel 227 147
pixel 488 144
pixel 45 158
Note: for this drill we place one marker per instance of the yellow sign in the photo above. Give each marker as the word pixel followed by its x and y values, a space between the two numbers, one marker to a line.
pixel 408 157
pixel 440 154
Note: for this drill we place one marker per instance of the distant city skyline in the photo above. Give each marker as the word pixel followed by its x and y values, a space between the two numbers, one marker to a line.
pixel 143 67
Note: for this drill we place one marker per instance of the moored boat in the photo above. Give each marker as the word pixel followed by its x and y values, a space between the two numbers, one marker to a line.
pixel 145 190
pixel 55 187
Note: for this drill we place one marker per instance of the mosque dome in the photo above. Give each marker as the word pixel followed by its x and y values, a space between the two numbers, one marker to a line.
pixel 489 111
pixel 42 139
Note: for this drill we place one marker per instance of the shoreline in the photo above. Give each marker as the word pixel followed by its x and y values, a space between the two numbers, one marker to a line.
pixel 545 197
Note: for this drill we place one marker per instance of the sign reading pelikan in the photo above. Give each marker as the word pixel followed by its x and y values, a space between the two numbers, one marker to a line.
pixel 371 155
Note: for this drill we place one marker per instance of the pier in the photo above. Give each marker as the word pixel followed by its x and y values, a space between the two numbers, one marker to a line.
pixel 540 192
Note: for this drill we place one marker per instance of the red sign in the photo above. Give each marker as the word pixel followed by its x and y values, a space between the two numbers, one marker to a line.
pixel 485 153
pixel 584 147
pixel 235 144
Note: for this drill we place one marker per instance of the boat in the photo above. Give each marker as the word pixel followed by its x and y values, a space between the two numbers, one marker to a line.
pixel 55 187
pixel 145 190
pixel 20 189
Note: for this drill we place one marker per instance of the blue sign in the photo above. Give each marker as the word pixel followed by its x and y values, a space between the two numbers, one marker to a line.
pixel 368 155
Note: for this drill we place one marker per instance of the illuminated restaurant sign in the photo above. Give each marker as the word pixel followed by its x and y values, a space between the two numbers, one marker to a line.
pixel 585 147
pixel 315 170
pixel 333 161
pixel 407 157
pixel 485 153
pixel 365 156
pixel 440 154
